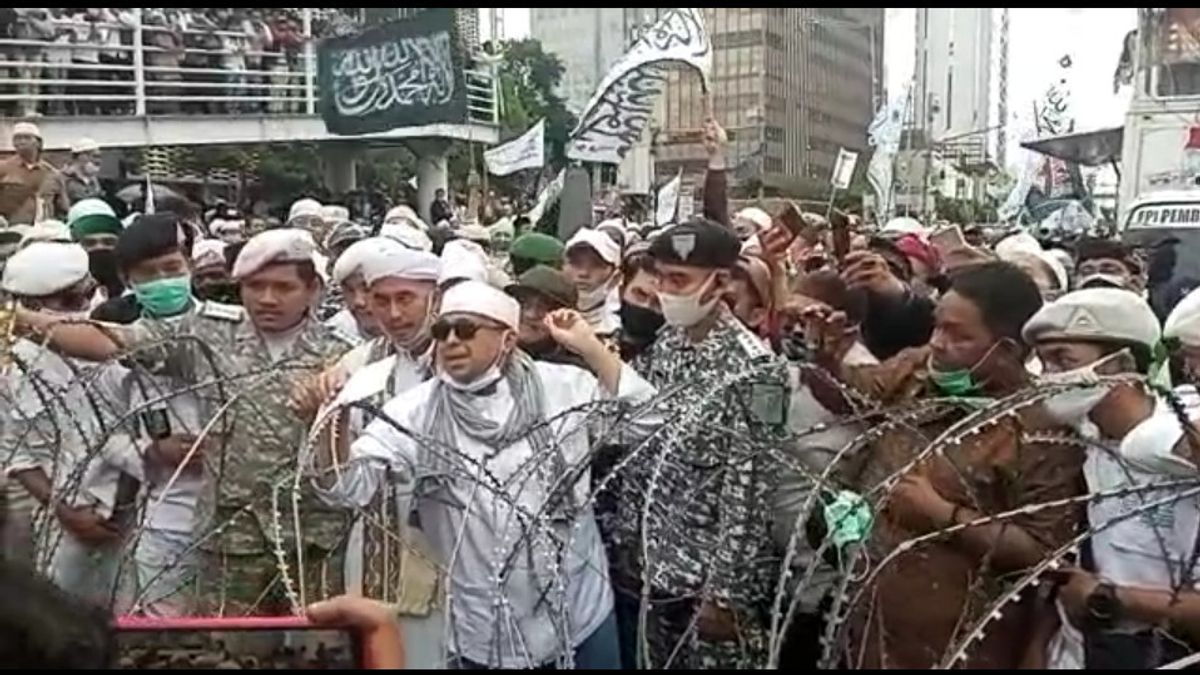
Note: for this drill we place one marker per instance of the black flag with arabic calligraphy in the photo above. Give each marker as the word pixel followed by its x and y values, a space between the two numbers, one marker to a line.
pixel 403 73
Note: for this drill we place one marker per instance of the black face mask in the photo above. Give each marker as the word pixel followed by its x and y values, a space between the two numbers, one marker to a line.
pixel 102 263
pixel 639 323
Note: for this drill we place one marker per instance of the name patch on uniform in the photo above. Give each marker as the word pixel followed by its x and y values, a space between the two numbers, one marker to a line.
pixel 216 310
pixel 769 403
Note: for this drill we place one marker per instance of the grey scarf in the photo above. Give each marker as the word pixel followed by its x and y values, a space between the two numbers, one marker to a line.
pixel 452 408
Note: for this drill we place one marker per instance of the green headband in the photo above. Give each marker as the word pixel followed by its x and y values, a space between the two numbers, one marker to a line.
pixel 86 226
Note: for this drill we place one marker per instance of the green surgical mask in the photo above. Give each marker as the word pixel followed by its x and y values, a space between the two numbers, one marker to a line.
pixel 164 297
pixel 959 382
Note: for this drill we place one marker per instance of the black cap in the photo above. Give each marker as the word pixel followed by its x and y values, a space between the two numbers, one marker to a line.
pixel 547 282
pixel 697 243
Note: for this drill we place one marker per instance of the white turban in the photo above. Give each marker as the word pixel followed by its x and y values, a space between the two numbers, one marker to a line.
pixel 404 212
pixel 275 246
pixel 474 232
pixel 44 268
pixel 462 259
pixel 760 219
pixel 332 213
pixel 1183 323
pixel 476 297
pixel 208 252
pixel 46 230
pixel 1017 243
pixel 408 235
pixel 398 262
pixel 306 207
pixel 604 246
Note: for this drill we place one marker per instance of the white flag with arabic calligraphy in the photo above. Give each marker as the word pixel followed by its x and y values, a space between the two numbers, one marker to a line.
pixel 527 151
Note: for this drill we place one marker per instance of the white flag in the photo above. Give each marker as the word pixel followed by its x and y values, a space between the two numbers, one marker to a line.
pixel 413 182
pixel 843 168
pixel 149 211
pixel 524 152
pixel 623 103
pixel 668 201
pixel 546 197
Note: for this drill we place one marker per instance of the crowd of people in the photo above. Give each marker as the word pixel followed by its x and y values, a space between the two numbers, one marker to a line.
pixel 746 439
pixel 255 52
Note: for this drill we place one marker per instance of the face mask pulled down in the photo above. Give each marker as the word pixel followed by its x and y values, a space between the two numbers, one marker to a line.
pixel 1071 408
pixel 958 382
pixel 685 311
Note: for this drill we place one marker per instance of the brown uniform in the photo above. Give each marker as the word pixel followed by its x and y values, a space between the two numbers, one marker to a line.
pixel 20 186
pixel 925 600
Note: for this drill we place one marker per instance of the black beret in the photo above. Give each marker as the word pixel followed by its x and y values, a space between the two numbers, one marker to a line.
pixel 697 243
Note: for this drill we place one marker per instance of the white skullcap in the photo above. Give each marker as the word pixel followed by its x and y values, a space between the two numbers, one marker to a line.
pixel 274 246
pixel 85 145
pixel 45 268
pixel 759 218
pixel 208 252
pixel 305 207
pixel 403 211
pixel 1183 323
pixel 331 213
pixel 476 297
pixel 608 250
pixel 410 236
pixel 474 232
pixel 350 261
pixel 393 260
pixel 1095 315
pixel 905 225
pixel 1017 243
pixel 462 259
pixel 46 230
pixel 222 226
pixel 26 129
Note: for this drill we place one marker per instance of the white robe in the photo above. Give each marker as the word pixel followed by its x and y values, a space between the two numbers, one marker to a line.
pixel 502 624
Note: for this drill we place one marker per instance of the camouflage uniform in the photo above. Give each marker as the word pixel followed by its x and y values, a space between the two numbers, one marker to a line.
pixel 218 346
pixel 708 526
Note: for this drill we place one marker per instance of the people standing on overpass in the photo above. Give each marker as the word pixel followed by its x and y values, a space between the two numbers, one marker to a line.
pixel 28 183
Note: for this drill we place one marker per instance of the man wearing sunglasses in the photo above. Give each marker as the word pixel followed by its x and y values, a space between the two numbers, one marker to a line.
pixel 48 437
pixel 496 448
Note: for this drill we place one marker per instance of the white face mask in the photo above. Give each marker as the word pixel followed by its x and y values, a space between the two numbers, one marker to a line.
pixel 1071 408
pixel 686 311
pixel 593 298
pixel 486 379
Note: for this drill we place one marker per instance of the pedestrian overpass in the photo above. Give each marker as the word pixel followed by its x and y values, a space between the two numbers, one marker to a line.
pixel 149 95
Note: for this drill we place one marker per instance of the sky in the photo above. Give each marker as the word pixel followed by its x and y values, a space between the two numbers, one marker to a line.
pixel 1038 38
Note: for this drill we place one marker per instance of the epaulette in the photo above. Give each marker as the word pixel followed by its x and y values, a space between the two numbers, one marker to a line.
pixel 753 346
pixel 222 312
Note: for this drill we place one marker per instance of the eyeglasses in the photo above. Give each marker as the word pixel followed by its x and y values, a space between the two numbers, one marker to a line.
pixel 463 329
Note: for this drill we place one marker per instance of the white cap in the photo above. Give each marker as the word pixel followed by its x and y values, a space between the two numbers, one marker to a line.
pixel 46 230
pixel 1095 315
pixel 476 297
pixel 208 252
pixel 462 259
pixel 408 235
pixel 474 232
pixel 608 250
pixel 331 213
pixel 756 216
pixel 1183 323
pixel 274 246
pixel 906 225
pixel 305 207
pixel 1017 243
pixel 389 259
pixel 85 145
pixel 404 212
pixel 44 268
pixel 26 129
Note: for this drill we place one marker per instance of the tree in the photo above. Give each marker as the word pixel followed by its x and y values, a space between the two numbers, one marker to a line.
pixel 528 80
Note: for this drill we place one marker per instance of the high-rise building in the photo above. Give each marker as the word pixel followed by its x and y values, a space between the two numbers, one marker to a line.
pixel 791 85
pixel 588 40
pixel 953 71
pixel 467 19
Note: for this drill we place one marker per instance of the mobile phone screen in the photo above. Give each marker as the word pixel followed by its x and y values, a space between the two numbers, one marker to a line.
pixel 234 644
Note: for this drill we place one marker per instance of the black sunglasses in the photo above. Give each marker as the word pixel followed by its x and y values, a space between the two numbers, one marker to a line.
pixel 463 329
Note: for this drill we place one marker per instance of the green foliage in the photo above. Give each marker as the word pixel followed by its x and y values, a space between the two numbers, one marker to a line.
pixel 528 78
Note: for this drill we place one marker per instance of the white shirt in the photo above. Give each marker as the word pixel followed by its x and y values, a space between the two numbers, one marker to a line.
pixel 499 623
pixel 53 422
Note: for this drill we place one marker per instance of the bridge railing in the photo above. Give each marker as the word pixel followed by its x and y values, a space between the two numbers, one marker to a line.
pixel 50 79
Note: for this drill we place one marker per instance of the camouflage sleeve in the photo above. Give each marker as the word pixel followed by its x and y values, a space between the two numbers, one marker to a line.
pixel 746 489
pixel 151 345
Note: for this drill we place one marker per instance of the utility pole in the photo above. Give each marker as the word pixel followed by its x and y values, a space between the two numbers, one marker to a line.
pixel 1002 107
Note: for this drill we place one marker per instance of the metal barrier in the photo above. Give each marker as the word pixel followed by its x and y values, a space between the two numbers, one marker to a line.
pixel 43 78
